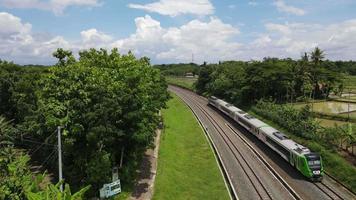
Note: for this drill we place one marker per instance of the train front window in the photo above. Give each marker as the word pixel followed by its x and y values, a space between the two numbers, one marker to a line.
pixel 313 160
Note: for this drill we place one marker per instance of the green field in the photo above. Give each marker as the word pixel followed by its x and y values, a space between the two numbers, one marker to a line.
pixel 187 168
pixel 181 81
pixel 350 82
pixel 330 123
pixel 329 107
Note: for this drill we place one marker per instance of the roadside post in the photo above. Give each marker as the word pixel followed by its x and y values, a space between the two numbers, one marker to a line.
pixel 113 188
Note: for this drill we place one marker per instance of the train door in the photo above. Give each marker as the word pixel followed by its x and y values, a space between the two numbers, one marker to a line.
pixel 262 135
pixel 292 159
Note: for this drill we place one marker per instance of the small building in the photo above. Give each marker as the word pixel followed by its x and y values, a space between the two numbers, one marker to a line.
pixel 189 75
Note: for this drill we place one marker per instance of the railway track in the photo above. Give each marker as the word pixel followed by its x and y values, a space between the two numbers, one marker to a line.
pixel 328 191
pixel 261 190
pixel 249 171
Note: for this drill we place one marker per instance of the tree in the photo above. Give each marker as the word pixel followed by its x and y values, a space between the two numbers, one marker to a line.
pixel 64 57
pixel 104 101
pixel 317 55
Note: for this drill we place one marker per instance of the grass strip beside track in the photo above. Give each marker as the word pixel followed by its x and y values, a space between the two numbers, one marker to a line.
pixel 186 83
pixel 187 168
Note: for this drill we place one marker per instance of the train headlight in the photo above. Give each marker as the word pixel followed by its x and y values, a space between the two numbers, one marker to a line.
pixel 316 172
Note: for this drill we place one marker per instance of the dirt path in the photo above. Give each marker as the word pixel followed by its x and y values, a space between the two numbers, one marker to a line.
pixel 143 189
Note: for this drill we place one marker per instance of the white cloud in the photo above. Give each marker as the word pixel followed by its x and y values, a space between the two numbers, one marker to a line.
pixel 291 39
pixel 56 6
pixel 92 38
pixel 174 8
pixel 11 25
pixel 252 3
pixel 283 7
pixel 209 41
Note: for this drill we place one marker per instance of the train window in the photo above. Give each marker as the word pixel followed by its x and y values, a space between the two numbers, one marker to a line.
pixel 314 162
pixel 249 116
pixel 280 135
pixel 241 112
pixel 228 105
pixel 225 109
pixel 278 147
pixel 313 159
pixel 244 122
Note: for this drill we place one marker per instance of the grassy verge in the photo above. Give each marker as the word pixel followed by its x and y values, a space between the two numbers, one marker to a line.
pixel 181 81
pixel 187 168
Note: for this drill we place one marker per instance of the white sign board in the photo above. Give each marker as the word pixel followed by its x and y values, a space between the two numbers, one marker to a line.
pixel 110 189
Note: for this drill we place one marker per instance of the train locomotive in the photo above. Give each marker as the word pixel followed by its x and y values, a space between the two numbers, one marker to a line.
pixel 308 163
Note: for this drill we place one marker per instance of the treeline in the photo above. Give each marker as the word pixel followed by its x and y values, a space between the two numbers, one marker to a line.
pixel 281 80
pixel 178 69
pixel 106 103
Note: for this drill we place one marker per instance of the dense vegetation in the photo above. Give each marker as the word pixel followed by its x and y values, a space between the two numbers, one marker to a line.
pixel 106 103
pixel 178 69
pixel 283 80
pixel 183 82
pixel 16 179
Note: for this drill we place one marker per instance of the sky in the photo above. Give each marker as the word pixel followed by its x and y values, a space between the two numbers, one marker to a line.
pixel 174 31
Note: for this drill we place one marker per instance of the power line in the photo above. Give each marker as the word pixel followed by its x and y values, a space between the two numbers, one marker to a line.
pixel 35 142
pixel 33 152
pixel 49 157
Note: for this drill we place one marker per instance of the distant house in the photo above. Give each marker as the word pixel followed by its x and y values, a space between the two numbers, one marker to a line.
pixel 189 75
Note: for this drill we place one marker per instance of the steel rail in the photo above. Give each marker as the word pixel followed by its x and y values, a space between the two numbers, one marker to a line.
pixel 240 161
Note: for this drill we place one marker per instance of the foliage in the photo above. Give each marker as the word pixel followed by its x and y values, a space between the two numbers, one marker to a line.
pixel 282 80
pixel 104 102
pixel 300 123
pixel 187 83
pixel 17 181
pixel 53 192
pixel 178 69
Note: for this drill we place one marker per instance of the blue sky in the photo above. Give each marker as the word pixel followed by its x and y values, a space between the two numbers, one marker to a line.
pixel 170 31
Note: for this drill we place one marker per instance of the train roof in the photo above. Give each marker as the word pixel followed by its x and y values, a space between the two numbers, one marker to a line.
pixel 276 135
pixel 282 139
pixel 254 121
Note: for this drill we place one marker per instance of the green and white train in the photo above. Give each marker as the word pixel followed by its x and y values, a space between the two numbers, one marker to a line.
pixel 300 157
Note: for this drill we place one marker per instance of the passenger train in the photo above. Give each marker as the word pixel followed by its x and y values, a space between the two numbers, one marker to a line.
pixel 300 157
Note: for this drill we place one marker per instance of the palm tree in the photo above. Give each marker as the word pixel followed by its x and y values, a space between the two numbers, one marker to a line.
pixel 317 55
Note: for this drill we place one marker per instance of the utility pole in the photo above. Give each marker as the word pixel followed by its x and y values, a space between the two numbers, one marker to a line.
pixel 60 175
pixel 348 106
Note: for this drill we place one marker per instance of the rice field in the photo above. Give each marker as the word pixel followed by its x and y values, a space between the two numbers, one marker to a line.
pixel 330 107
pixel 330 123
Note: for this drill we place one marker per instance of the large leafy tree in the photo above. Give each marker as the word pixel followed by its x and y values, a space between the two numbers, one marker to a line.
pixel 105 102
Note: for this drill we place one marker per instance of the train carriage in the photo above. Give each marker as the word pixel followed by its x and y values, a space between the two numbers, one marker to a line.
pixel 300 157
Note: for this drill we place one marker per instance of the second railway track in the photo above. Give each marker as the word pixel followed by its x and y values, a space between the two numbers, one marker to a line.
pixel 198 102
pixel 254 179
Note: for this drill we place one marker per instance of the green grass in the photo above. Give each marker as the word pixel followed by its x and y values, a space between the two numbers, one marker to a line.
pixel 350 82
pixel 181 81
pixel 187 168
pixel 123 195
pixel 330 122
